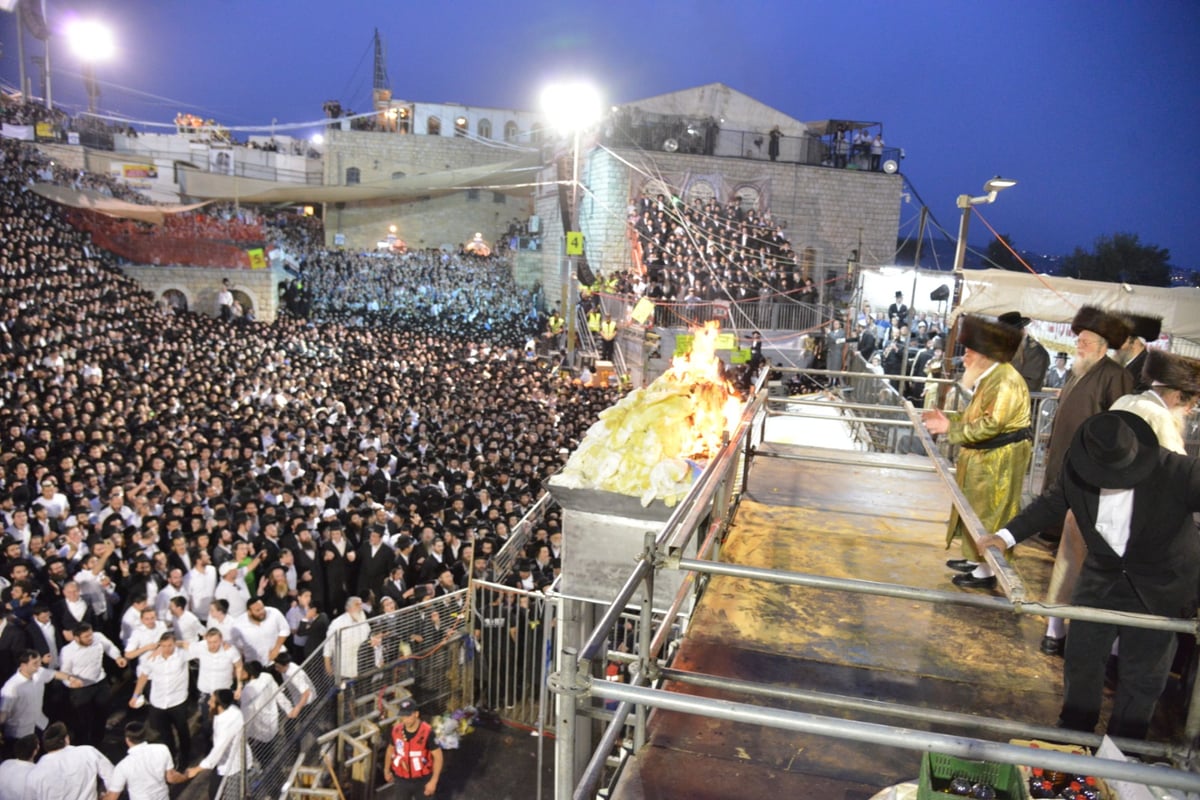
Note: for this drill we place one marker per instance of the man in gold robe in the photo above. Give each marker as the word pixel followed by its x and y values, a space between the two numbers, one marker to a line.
pixel 994 434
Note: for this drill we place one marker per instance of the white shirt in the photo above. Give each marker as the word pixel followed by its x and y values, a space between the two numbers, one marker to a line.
pixel 142 636
pixel 257 639
pixel 69 774
pixel 351 634
pixel 236 594
pixel 143 772
pixel 260 699
pixel 168 678
pixel 87 663
pixel 216 669
pixel 21 702
pixel 225 626
pixel 163 602
pixel 187 627
pixel 296 683
pixel 1113 517
pixel 199 587
pixel 14 774
pixel 230 750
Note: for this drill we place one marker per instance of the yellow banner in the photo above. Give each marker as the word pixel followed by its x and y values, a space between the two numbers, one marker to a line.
pixel 643 310
pixel 725 341
pixel 258 259
pixel 740 355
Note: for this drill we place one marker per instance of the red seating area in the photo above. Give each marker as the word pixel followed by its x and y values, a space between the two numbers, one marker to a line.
pixel 195 240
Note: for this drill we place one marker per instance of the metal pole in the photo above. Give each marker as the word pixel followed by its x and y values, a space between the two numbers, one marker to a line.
pixel 904 738
pixel 565 730
pixel 1148 621
pixel 25 93
pixel 543 671
pixel 645 622
pixel 570 311
pixel 960 250
pixel 995 725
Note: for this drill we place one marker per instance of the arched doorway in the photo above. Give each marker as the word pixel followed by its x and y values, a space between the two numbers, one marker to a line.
pixel 242 300
pixel 175 300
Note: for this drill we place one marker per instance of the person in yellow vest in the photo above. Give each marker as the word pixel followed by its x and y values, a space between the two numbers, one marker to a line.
pixel 593 321
pixel 608 337
pixel 556 328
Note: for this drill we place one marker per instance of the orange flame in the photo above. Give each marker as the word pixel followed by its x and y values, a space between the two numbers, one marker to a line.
pixel 716 405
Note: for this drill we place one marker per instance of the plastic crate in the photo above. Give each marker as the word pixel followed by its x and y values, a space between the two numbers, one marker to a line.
pixel 937 770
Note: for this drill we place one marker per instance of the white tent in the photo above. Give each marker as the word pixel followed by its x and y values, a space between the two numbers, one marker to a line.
pixel 995 291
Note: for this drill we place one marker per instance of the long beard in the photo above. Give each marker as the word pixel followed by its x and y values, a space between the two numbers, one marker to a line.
pixel 1083 364
pixel 972 374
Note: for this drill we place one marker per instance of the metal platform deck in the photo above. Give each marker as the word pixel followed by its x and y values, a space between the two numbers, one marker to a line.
pixel 849 515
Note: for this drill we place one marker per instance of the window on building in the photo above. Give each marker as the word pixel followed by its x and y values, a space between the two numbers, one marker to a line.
pixel 484 129
pixel 460 126
pixel 397 176
pixel 472 194
pixel 510 131
pixel 433 127
pixel 353 176
pixel 499 197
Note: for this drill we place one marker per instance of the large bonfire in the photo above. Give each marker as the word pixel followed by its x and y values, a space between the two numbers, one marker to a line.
pixel 647 444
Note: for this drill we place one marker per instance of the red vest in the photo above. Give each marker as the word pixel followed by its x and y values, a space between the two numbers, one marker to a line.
pixel 410 757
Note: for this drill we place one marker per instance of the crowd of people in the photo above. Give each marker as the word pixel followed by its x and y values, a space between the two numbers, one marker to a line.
pixel 447 294
pixel 706 250
pixel 170 483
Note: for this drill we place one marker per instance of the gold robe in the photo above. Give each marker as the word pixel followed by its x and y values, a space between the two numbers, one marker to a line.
pixel 991 479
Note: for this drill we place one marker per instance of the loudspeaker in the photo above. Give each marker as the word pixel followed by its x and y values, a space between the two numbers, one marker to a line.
pixel 940 293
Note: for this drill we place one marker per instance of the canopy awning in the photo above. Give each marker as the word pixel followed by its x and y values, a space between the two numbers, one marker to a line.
pixel 110 206
pixel 496 176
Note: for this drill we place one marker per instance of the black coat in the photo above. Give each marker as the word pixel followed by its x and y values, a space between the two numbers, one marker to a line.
pixel 1162 557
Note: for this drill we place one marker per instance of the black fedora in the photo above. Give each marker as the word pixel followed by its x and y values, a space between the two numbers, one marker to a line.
pixel 1114 450
pixel 1014 318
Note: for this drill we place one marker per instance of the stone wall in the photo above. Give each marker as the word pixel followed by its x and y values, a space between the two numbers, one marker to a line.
pixel 200 285
pixel 449 219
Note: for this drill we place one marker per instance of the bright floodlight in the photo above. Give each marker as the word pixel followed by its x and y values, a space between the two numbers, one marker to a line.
pixel 90 40
pixel 997 183
pixel 571 105
pixel 317 139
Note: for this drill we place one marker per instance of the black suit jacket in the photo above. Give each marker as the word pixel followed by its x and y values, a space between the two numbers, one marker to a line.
pixel 1162 557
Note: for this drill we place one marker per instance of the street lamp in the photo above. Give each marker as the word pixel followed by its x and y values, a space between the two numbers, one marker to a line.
pixel 571 107
pixel 91 41
pixel 965 202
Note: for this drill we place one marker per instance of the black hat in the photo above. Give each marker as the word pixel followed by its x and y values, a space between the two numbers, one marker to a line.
pixel 1168 369
pixel 407 706
pixel 1061 354
pixel 1144 326
pixel 1113 328
pixel 990 337
pixel 1014 318
pixel 1114 450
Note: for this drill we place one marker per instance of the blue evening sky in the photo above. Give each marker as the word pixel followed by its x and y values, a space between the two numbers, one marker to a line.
pixel 1093 106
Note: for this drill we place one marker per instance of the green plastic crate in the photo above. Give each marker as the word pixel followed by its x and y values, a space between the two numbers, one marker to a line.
pixel 938 770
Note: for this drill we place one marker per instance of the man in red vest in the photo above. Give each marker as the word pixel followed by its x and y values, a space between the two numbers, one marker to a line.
pixel 414 761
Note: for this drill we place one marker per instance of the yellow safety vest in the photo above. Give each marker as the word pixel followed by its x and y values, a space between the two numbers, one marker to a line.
pixel 608 330
pixel 593 321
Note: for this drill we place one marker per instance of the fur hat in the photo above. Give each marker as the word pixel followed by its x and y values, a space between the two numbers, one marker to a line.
pixel 1148 328
pixel 989 336
pixel 1113 328
pixel 1168 369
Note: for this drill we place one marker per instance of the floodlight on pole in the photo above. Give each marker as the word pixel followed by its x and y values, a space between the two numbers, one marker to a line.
pixel 92 42
pixel 571 107
pixel 965 202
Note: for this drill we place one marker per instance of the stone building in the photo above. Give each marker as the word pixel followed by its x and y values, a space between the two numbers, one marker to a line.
pixel 712 141
pixel 412 141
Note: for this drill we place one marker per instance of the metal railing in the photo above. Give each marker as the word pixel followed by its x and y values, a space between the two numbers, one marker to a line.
pixel 771 314
pixel 578 686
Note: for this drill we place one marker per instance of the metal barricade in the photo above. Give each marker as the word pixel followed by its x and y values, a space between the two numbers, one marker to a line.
pixel 514 641
pixel 424 650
